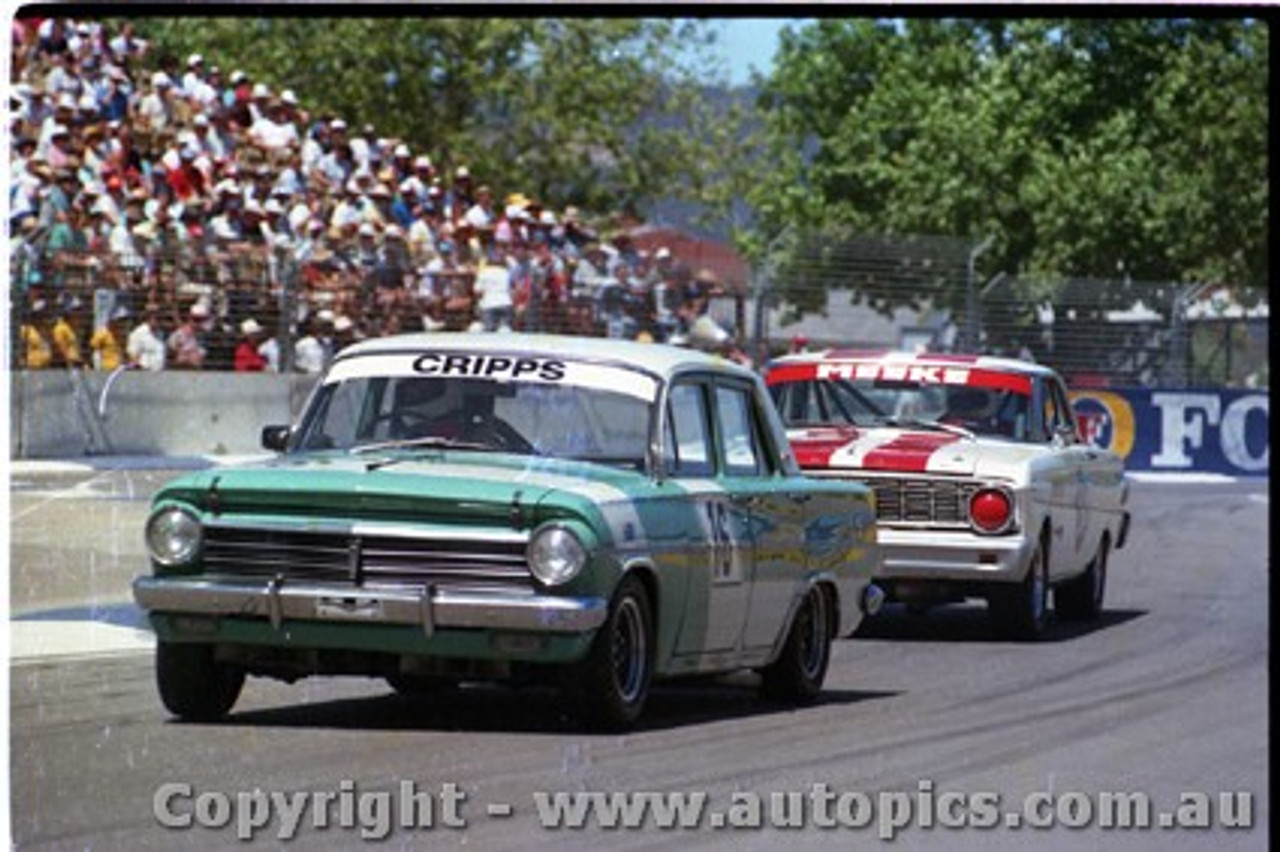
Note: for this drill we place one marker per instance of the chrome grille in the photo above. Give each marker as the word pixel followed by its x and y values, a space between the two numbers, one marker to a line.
pixel 916 500
pixel 360 557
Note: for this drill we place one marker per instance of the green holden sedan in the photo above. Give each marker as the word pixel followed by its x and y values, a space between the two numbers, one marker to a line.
pixel 456 507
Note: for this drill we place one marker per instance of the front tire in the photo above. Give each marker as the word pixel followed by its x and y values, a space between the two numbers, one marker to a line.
pixel 419 687
pixel 796 676
pixel 612 682
pixel 1022 613
pixel 193 685
pixel 1081 598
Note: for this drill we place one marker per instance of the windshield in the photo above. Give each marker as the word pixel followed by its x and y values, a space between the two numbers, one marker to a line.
pixel 994 411
pixel 367 413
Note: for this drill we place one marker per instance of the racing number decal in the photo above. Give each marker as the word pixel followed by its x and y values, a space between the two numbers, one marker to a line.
pixel 724 551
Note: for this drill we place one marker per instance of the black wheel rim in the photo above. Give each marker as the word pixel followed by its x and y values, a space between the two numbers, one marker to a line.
pixel 812 635
pixel 630 650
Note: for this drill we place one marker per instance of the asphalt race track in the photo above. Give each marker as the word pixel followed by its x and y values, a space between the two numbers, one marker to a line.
pixel 925 720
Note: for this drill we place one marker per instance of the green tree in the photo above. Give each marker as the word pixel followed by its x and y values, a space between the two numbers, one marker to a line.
pixel 598 112
pixel 1082 146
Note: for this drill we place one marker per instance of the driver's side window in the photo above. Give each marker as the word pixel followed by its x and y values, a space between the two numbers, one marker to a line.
pixel 687 434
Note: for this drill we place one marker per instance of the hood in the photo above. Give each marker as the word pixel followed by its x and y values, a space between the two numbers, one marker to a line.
pixel 890 449
pixel 464 488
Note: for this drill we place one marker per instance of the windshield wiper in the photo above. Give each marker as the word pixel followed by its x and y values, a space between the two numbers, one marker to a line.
pixel 428 442
pixel 929 425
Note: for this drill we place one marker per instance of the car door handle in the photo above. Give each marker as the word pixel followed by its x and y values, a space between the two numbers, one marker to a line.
pixel 801 497
pixel 748 501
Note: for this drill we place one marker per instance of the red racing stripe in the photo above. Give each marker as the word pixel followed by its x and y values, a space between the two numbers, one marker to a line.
pixel 815 447
pixel 910 452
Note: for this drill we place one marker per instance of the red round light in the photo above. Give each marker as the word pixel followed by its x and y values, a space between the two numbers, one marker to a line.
pixel 990 510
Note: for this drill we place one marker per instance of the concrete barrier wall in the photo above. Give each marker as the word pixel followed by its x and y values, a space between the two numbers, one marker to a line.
pixel 171 413
pixel 180 414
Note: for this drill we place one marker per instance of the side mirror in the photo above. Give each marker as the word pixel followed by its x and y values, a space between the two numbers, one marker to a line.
pixel 1064 434
pixel 275 438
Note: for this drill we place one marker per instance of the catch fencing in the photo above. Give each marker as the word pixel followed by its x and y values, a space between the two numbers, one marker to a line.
pixel 894 292
pixel 933 293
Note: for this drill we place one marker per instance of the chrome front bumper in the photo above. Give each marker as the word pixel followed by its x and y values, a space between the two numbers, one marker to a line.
pixel 426 607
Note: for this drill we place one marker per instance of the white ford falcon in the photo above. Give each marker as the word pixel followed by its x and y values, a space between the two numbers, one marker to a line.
pixel 984 487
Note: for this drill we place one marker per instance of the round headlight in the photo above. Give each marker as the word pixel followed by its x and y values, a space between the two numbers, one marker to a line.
pixel 555 555
pixel 173 536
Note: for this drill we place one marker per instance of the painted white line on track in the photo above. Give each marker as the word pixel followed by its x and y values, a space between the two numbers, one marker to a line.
pixel 1188 477
pixel 31 641
pixel 30 467
pixel 81 490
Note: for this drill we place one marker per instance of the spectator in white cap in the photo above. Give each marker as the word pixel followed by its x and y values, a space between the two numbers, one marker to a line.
pixel 460 196
pixel 273 131
pixel 236 97
pixel 145 345
pixel 335 166
pixel 194 85
pixel 58 151
pixel 156 108
pixel 289 106
pixel 260 96
pixel 186 345
pixel 311 354
pixel 344 332
pixel 401 162
pixel 247 358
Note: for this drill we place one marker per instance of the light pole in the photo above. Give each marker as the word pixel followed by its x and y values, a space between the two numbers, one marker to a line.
pixel 764 288
pixel 971 297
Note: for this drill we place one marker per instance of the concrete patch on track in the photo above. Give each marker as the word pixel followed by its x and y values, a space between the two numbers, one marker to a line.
pixel 78 632
pixel 38 641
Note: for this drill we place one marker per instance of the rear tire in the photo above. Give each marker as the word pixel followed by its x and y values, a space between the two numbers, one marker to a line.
pixel 193 685
pixel 1022 612
pixel 796 676
pixel 611 684
pixel 1081 598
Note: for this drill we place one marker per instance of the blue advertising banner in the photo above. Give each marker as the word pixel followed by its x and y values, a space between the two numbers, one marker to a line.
pixel 1217 431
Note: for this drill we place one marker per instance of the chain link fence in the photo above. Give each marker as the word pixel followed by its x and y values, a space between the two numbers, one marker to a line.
pixel 912 292
pixel 918 292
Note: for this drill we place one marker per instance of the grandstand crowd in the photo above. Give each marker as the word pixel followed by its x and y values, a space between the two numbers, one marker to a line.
pixel 205 218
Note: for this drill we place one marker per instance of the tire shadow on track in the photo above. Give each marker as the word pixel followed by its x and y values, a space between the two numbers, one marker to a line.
pixel 500 708
pixel 969 623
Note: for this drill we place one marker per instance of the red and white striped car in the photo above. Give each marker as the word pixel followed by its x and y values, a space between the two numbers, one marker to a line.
pixel 984 487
